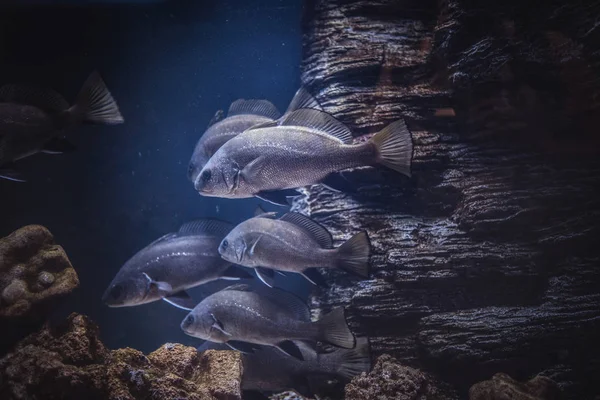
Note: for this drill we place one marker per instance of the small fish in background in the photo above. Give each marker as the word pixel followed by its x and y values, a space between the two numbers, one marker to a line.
pixel 171 264
pixel 243 317
pixel 292 243
pixel 33 120
pixel 269 370
pixel 242 114
pixel 302 148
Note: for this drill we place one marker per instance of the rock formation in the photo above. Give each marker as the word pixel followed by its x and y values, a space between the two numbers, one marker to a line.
pixel 390 380
pixel 70 362
pixel 34 274
pixel 503 387
pixel 486 259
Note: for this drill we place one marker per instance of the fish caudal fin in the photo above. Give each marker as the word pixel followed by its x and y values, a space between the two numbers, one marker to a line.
pixel 394 147
pixel 353 255
pixel 96 104
pixel 354 361
pixel 333 329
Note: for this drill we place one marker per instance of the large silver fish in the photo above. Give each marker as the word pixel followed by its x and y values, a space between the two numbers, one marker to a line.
pixel 300 149
pixel 269 370
pixel 242 114
pixel 292 243
pixel 239 315
pixel 173 263
pixel 33 120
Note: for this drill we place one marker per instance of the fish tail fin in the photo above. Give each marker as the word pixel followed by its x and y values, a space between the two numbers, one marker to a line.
pixel 394 147
pixel 353 255
pixel 334 329
pixel 351 362
pixel 95 103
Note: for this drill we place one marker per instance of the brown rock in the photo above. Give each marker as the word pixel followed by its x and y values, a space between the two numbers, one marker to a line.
pixel 503 387
pixel 70 362
pixel 33 272
pixel 390 380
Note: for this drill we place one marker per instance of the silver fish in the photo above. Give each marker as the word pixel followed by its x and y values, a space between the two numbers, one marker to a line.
pixel 302 148
pixel 171 264
pixel 242 114
pixel 269 370
pixel 239 315
pixel 292 243
pixel 33 120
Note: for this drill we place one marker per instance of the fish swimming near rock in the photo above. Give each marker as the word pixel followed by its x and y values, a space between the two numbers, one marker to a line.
pixel 269 370
pixel 292 243
pixel 241 317
pixel 33 120
pixel 242 114
pixel 302 148
pixel 171 264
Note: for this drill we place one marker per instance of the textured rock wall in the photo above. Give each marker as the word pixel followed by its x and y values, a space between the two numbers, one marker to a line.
pixel 486 260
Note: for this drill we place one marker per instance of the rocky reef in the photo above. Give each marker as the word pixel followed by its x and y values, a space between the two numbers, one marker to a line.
pixel 70 362
pixel 485 260
pixel 34 274
pixel 391 380
pixel 503 387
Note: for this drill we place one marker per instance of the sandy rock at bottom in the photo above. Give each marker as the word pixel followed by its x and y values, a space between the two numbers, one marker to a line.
pixel 503 387
pixel 391 380
pixel 70 362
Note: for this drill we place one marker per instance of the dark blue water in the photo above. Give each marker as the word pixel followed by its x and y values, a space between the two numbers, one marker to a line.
pixel 170 66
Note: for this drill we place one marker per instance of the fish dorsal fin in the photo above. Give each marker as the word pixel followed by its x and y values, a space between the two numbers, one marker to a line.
pixel 286 300
pixel 255 107
pixel 303 99
pixel 261 213
pixel 44 98
pixel 318 232
pixel 219 115
pixel 205 227
pixel 320 121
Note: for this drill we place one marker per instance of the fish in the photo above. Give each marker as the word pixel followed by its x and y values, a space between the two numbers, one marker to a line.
pixel 292 243
pixel 243 317
pixel 242 114
pixel 269 370
pixel 33 120
pixel 170 265
pixel 301 149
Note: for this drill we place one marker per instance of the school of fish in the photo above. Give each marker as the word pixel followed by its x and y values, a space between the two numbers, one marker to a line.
pixel 253 151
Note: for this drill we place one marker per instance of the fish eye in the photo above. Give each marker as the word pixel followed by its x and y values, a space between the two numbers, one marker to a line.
pixel 116 292
pixel 206 175
pixel 191 168
pixel 225 244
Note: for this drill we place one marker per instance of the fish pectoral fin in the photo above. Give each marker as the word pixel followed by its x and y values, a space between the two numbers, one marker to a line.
pixel 278 197
pixel 266 275
pixel 314 277
pixel 242 347
pixel 260 212
pixel 235 273
pixel 219 325
pixel 251 251
pixel 289 348
pixel 6 172
pixel 181 299
pixel 253 169
pixel 162 287
pixel 219 115
pixel 58 146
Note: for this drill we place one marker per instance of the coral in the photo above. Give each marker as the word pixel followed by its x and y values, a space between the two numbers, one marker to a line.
pixel 33 272
pixel 70 362
pixel 503 387
pixel 391 380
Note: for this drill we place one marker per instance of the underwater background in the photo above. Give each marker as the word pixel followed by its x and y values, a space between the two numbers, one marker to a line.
pixel 170 66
